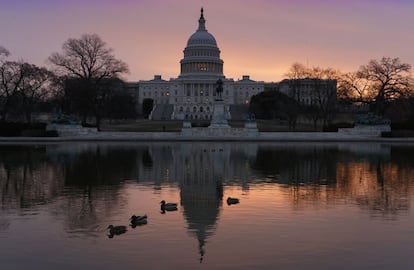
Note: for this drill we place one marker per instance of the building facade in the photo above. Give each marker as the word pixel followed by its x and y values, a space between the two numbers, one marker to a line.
pixel 192 93
pixel 310 91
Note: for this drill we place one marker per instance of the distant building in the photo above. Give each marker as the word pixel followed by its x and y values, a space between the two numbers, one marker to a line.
pixel 191 95
pixel 310 91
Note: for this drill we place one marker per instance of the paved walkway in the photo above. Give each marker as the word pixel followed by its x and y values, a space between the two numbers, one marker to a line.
pixel 177 136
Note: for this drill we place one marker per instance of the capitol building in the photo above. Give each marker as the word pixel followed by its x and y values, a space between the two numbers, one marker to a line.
pixel 192 94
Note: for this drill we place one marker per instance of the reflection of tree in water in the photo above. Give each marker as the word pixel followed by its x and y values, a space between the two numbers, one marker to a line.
pixel 296 165
pixel 26 178
pixel 98 165
pixel 147 159
pixel 382 187
pixel 4 224
pixel 82 181
pixel 92 181
pixel 377 179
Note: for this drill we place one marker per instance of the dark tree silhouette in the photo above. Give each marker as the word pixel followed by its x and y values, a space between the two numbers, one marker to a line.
pixel 324 97
pixel 275 105
pixel 92 62
pixel 389 79
pixel 21 86
pixel 353 89
pixel 11 77
pixel 34 87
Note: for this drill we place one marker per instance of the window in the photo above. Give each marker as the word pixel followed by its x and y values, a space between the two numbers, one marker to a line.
pixel 196 90
pixel 188 90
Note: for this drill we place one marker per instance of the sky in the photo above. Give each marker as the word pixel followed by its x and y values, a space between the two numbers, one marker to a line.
pixel 260 38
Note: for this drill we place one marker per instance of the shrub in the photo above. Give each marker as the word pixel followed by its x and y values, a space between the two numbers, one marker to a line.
pixel 16 129
pixel 11 129
pixel 402 126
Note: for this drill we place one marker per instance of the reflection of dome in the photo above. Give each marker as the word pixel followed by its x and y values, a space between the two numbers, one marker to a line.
pixel 201 56
pixel 201 203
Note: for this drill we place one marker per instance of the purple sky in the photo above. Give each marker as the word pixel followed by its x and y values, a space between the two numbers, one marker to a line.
pixel 261 38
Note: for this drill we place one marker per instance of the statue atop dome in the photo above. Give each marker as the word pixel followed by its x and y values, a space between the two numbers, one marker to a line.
pixel 202 22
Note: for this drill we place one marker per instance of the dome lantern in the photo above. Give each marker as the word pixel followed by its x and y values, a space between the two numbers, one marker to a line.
pixel 202 22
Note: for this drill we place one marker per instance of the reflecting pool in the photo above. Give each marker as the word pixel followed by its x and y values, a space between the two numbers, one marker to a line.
pixel 302 205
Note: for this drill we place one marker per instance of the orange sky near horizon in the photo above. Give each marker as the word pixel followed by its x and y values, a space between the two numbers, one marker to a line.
pixel 258 38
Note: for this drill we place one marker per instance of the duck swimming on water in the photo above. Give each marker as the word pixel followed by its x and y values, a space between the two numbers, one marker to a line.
pixel 138 220
pixel 168 206
pixel 231 200
pixel 116 230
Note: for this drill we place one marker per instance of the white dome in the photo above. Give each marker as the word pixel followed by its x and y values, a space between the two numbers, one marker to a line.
pixel 201 55
pixel 201 38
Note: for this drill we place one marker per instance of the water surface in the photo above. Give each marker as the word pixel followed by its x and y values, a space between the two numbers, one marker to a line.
pixel 302 205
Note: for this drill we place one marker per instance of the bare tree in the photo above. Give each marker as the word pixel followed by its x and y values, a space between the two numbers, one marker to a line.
pixel 34 87
pixel 353 88
pixel 389 79
pixel 298 71
pixel 11 76
pixel 3 53
pixel 322 94
pixel 21 83
pixel 91 61
pixel 324 73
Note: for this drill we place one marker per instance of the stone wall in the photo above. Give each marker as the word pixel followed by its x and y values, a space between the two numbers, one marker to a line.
pixel 71 130
pixel 365 130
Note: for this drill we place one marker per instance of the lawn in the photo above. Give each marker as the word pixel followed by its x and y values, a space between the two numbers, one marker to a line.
pixel 143 125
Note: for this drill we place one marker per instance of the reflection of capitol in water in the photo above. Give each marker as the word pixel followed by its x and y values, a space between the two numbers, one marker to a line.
pixel 88 180
pixel 188 163
pixel 199 171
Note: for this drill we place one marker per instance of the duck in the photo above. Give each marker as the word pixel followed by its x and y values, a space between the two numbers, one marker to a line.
pixel 168 206
pixel 138 220
pixel 116 230
pixel 231 200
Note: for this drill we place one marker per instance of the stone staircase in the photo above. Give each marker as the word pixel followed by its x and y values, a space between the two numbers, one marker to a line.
pixel 162 112
pixel 239 112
